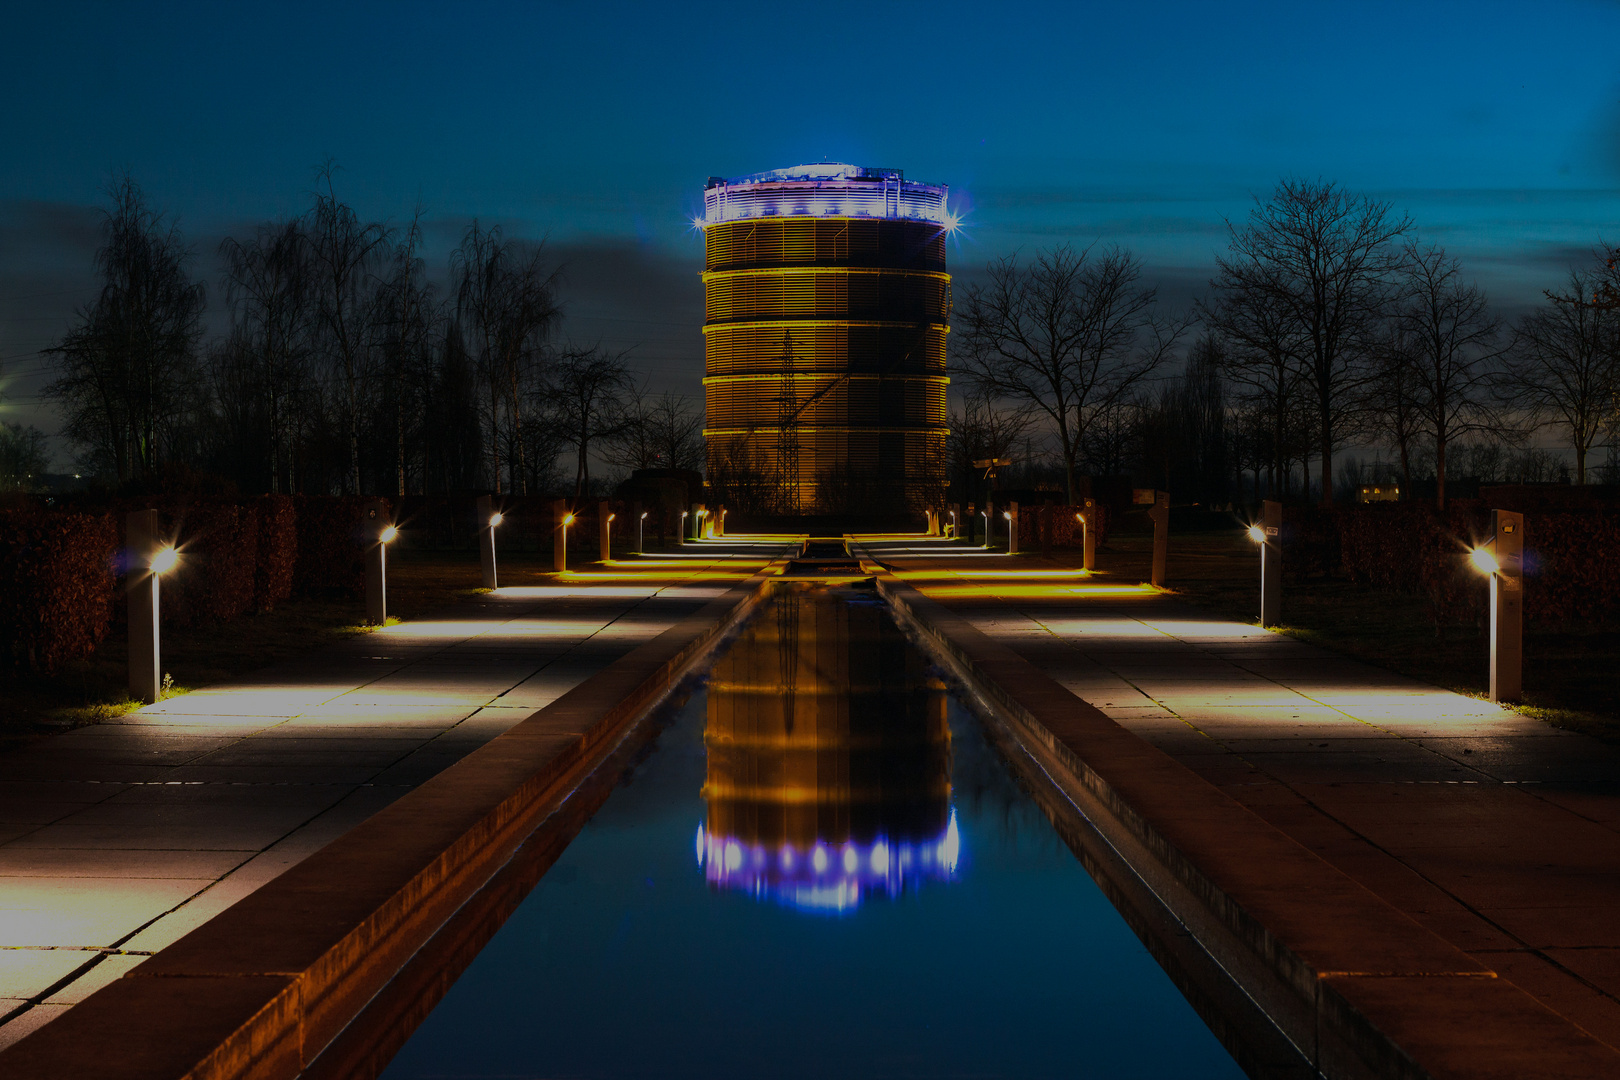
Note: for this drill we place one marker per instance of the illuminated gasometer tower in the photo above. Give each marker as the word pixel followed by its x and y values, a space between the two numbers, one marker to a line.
pixel 826 307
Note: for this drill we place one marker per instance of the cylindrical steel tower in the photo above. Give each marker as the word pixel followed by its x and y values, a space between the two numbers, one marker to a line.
pixel 824 336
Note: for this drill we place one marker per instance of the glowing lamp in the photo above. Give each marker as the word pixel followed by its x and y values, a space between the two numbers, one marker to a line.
pixel 388 535
pixel 1007 514
pixel 568 519
pixel 644 514
pixel 496 518
pixel 165 559
pixel 1484 561
pixel 612 516
pixel 1257 534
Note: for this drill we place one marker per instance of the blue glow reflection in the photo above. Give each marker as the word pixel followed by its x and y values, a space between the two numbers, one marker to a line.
pixel 813 881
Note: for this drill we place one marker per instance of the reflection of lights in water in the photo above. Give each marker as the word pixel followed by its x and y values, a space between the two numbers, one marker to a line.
pixel 828 759
pixel 819 884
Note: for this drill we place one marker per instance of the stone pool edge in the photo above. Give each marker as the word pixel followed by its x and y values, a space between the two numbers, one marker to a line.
pixel 1358 987
pixel 262 988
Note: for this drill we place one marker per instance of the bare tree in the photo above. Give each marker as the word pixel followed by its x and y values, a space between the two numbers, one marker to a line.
pixel 586 391
pixel 405 322
pixel 1453 344
pixel 506 304
pixel 1261 354
pixel 271 300
pixel 663 432
pixel 1322 261
pixel 1071 334
pixel 1394 398
pixel 980 431
pixel 1562 365
pixel 343 253
pixel 129 369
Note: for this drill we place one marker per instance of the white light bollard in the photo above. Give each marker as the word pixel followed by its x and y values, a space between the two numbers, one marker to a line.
pixel 604 531
pixel 1267 535
pixel 680 533
pixel 560 520
pixel 1502 560
pixel 489 519
pixel 1011 514
pixel 149 558
pixel 641 528
pixel 379 533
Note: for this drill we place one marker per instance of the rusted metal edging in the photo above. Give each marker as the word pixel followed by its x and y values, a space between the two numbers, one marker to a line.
pixel 263 988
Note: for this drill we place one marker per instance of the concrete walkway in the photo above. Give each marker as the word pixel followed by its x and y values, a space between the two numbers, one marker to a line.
pixel 117 839
pixel 1494 830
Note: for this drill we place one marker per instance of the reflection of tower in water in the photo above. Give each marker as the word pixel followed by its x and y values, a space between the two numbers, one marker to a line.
pixel 828 757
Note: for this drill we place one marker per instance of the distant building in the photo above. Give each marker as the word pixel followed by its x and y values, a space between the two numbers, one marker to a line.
pixel 1378 493
pixel 826 307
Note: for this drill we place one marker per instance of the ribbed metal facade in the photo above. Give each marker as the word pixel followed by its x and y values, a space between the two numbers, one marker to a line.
pixel 826 308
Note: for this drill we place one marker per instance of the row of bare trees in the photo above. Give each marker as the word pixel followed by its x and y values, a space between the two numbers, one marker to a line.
pixel 343 368
pixel 1329 324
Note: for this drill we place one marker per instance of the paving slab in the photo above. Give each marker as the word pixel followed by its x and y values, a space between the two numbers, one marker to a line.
pixel 126 835
pixel 1488 827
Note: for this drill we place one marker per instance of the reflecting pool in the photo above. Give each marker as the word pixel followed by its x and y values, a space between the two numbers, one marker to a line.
pixel 822 868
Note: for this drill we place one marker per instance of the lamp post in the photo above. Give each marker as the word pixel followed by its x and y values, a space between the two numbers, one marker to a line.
pixel 380 533
pixel 986 515
pixel 956 529
pixel 1158 503
pixel 604 531
pixel 560 520
pixel 641 533
pixel 488 518
pixel 149 559
pixel 1088 535
pixel 1502 560
pixel 680 534
pixel 1265 533
pixel 1012 529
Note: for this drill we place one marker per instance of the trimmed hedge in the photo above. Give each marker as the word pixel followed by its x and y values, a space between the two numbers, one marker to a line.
pixel 331 545
pixel 56 586
pixel 219 545
pixel 1571 573
pixel 278 552
pixel 1066 530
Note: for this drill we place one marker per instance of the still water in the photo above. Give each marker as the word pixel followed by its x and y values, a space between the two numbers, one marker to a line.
pixel 822 869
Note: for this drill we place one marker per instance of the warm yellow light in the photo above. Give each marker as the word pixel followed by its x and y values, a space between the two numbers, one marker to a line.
pixel 389 534
pixel 568 519
pixel 164 560
pixel 1257 534
pixel 496 518
pixel 1484 561
pixel 612 516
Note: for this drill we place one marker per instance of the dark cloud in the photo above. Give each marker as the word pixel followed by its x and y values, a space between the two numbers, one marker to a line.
pixel 626 295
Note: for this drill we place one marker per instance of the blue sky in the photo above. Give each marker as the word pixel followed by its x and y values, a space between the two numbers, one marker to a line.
pixel 1496 126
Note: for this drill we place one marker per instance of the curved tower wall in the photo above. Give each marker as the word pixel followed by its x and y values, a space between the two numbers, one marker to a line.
pixel 826 308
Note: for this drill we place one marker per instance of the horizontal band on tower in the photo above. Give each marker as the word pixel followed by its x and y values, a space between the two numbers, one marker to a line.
pixel 783 271
pixel 783 376
pixel 885 429
pixel 788 324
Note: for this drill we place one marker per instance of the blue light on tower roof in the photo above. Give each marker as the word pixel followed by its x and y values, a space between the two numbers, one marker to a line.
pixel 824 189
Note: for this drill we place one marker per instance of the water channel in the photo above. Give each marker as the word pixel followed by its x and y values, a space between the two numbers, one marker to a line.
pixel 822 867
